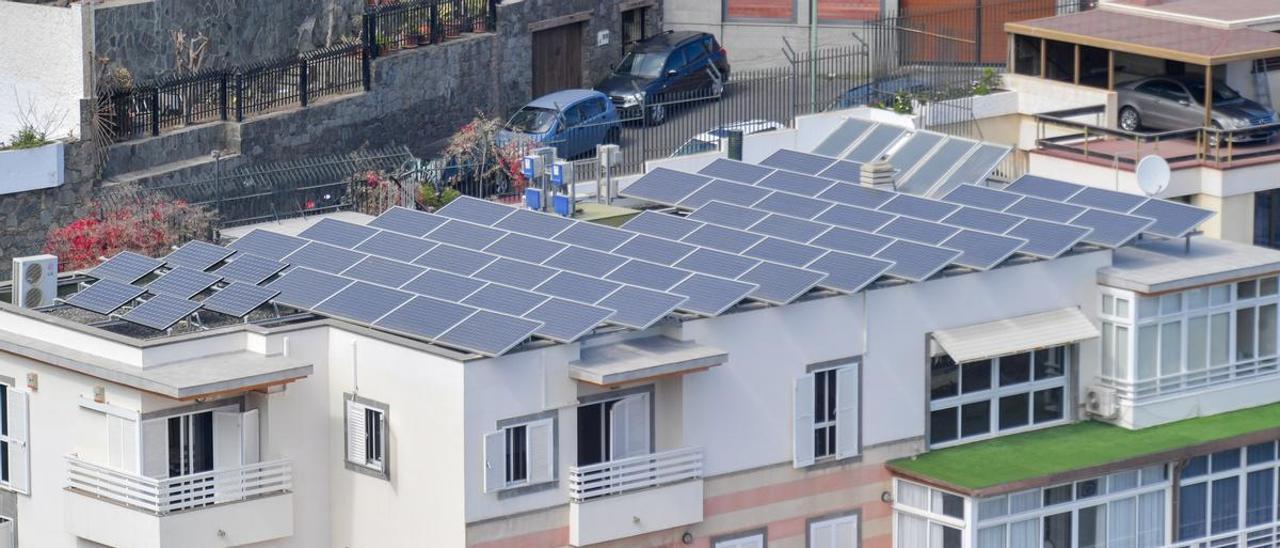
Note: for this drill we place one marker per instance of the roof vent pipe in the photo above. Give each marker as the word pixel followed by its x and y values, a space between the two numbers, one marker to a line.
pixel 878 174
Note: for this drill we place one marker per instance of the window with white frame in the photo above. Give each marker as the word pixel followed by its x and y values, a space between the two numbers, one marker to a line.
pixel 986 398
pixel 15 456
pixel 753 539
pixel 826 415
pixel 1124 509
pixel 834 532
pixel 1228 492
pixel 519 454
pixel 366 425
pixel 924 516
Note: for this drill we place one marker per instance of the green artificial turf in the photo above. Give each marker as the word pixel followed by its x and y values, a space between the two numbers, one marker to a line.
pixel 1076 446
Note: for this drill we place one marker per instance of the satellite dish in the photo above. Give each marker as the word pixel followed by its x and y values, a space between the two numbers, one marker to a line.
pixel 1153 174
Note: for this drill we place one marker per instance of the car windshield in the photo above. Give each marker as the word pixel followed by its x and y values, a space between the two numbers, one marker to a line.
pixel 532 120
pixel 1221 93
pixel 643 64
pixel 694 146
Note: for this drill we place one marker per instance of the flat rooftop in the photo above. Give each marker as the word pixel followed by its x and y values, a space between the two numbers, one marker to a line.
pixel 1231 13
pixel 1158 266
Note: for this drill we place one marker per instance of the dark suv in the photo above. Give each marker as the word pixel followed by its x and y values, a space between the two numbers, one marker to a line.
pixel 668 67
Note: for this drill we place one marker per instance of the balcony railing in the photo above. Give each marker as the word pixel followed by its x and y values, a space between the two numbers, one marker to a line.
pixel 631 474
pixel 165 496
pixel 1187 381
pixel 1266 536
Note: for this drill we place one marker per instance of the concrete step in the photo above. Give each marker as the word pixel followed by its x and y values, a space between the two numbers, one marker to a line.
pixel 181 170
pixel 190 143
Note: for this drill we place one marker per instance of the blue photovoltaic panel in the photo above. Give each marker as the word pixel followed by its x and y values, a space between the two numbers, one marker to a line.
pixel 507 300
pixel 454 259
pixel 849 273
pixel 844 135
pixel 198 255
pixel 1110 229
pixel 639 308
pixel 126 266
pixel 784 252
pixel 249 269
pixel 722 239
pixel 525 248
pixel 980 250
pixel 464 234
pixel 578 287
pixel 916 262
pixel 844 170
pixel 396 246
pixel 534 224
pixel 710 296
pixel 1109 200
pixel 489 333
pixel 183 282
pixel 363 302
pixel 161 312
pixel 594 236
pixel 652 276
pixel 324 257
pixel 780 284
pixel 982 219
pixel 875 143
pixel 975 168
pixel 384 271
pixel 727 215
pixel 407 221
pixel 797 161
pixel 1045 210
pixel 724 191
pixel 852 241
pixel 931 172
pixel 238 299
pixel 914 149
pixel 920 208
pixel 857 195
pixel 105 296
pixel 854 217
pixel 1173 220
pixel 790 204
pixel 305 288
pixel 585 261
pixel 267 244
pixel 978 196
pixel 789 228
pixel 1041 187
pixel 917 231
pixel 339 233
pixel 653 249
pixel 661 225
pixel 1046 239
pixel 443 285
pixel 719 263
pixel 732 170
pixel 475 210
pixel 665 186
pixel 795 183
pixel 516 273
pixel 566 321
pixel 425 317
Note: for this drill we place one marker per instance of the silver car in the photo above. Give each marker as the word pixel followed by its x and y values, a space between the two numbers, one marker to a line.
pixel 1177 102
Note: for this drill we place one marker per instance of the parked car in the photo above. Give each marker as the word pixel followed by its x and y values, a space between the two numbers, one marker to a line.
pixel 669 66
pixel 572 120
pixel 710 140
pixel 879 91
pixel 1177 102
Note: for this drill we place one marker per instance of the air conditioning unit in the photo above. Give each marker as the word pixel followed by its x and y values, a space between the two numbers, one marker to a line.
pixel 1100 401
pixel 35 280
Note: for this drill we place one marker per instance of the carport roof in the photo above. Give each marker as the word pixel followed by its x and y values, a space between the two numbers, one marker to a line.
pixel 1152 37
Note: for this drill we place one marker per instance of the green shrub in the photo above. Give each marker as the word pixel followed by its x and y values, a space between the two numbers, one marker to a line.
pixel 27 137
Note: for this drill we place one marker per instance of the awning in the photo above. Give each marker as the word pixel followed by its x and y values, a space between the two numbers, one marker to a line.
pixel 1010 336
pixel 641 359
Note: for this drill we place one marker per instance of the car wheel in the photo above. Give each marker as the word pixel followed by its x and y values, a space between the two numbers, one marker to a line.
pixel 656 115
pixel 613 136
pixel 1129 119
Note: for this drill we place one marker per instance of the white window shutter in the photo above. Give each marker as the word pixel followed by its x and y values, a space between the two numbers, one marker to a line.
pixel 848 412
pixel 822 535
pixel 228 451
pixel 250 438
pixel 802 437
pixel 155 448
pixel 356 434
pixel 18 438
pixel 122 443
pixel 540 435
pixel 629 422
pixel 495 461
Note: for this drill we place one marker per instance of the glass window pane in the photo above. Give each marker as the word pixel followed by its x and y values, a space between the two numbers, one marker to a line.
pixel 1014 411
pixel 1024 501
pixel 1151 528
pixel 976 376
pixel 1015 369
pixel 1267 286
pixel 1148 307
pixel 1171 348
pixel 1122 352
pixel 945 380
pixel 1050 362
pixel 1226 460
pixel 1226 505
pixel 1193 511
pixel 913 495
pixel 1087 488
pixel 1247 289
pixel 991 537
pixel 1048 405
pixel 1148 346
pixel 1092 530
pixel 975 418
pixel 1108 304
pixel 993 507
pixel 1196 466
pixel 1122 481
pixel 1153 474
pixel 1197 343
pixel 1259 506
pixel 1219 294
pixel 952 505
pixel 1057 530
pixel 1025 534
pixel 1108 351
pixel 1122 307
pixel 1171 303
pixel 1122 523
pixel 1262 452
pixel 912 530
pixel 1267 330
pixel 943 425
pixel 1057 495
pixel 1198 298
pixel 1219 330
pixel 1244 334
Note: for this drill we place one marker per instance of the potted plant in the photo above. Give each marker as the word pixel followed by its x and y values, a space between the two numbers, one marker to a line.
pixel 410 36
pixel 450 20
pixel 424 34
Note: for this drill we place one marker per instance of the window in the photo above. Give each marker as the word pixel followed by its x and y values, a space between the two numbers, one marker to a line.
pixel 755 539
pixel 1228 491
pixel 927 517
pixel 1119 510
pixel 826 415
pixel 1026 55
pixel 837 532
pixel 983 398
pixel 15 456
pixel 614 429
pixel 521 452
pixel 760 10
pixel 366 435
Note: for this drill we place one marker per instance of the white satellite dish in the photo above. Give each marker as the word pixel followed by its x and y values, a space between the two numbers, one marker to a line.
pixel 1153 174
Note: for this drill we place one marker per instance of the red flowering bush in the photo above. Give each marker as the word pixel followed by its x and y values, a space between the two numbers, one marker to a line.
pixel 150 227
pixel 373 192
pixel 475 158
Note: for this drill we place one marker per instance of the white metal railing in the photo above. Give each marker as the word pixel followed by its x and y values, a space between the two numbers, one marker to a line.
pixel 1193 380
pixel 630 474
pixel 168 495
pixel 1266 536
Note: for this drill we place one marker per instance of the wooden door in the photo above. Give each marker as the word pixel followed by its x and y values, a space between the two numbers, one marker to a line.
pixel 557 59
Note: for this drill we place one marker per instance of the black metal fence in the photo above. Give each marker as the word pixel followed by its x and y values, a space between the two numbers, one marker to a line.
pixel 392 25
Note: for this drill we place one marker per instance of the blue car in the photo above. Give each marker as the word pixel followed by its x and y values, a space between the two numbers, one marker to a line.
pixel 572 120
pixel 671 67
